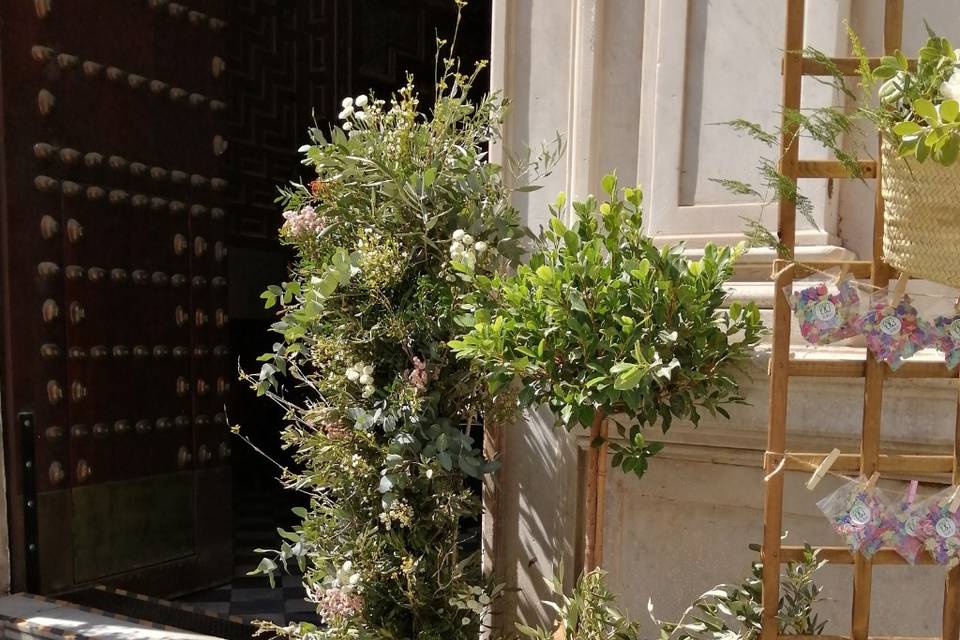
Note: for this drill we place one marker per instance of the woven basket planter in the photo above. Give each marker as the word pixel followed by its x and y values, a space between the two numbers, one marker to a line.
pixel 921 224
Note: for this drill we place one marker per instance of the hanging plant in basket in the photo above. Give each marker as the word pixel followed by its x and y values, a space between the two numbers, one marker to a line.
pixel 919 117
pixel 916 108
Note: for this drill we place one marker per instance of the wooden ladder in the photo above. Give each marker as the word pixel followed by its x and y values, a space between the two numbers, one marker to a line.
pixel 782 368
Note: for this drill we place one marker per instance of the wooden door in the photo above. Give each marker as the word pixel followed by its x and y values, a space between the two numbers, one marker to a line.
pixel 116 363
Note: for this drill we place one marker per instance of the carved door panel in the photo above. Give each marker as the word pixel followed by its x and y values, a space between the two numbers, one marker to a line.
pixel 117 366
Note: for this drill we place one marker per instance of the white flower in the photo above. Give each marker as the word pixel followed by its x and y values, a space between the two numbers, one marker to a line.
pixel 456 249
pixel 347 102
pixel 484 599
pixel 467 239
pixel 346 113
pixel 465 621
pixel 361 101
pixel 347 126
pixel 367 392
pixel 352 375
pixel 951 88
pixel 368 370
pixel 480 246
pixel 360 115
pixel 458 235
pixel 366 380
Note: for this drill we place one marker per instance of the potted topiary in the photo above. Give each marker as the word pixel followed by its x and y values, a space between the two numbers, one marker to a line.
pixel 603 323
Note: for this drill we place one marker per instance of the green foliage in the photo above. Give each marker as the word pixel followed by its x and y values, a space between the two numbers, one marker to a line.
pixel 918 110
pixel 586 614
pixel 735 610
pixel 382 420
pixel 725 612
pixel 601 319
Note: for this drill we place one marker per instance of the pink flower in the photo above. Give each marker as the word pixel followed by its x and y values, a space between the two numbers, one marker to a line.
pixel 418 376
pixel 302 222
pixel 334 603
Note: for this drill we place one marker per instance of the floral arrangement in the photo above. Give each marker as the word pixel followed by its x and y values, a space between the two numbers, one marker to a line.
pixel 382 420
pixel 603 320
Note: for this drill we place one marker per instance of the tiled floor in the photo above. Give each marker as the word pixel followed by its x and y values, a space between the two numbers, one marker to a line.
pixel 257 515
pixel 27 616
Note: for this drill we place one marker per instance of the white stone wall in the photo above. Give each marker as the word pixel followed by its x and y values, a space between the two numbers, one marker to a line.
pixel 635 86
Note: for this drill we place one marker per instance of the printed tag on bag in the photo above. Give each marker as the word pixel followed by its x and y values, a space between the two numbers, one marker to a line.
pixel 945 336
pixel 894 334
pixel 826 317
pixel 938 526
pixel 902 531
pixel 861 514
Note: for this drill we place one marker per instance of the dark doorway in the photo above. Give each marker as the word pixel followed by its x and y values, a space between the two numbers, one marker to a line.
pixel 143 143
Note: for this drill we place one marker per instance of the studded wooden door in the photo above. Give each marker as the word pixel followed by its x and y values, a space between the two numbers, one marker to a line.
pixel 116 365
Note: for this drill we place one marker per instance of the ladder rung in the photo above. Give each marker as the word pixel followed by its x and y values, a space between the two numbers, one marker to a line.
pixel 842 368
pixel 930 370
pixel 834 169
pixel 842 555
pixel 846 66
pixel 924 464
pixel 856 268
pixel 827 368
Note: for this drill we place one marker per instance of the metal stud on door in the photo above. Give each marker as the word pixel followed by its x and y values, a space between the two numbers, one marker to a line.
pixel 107 222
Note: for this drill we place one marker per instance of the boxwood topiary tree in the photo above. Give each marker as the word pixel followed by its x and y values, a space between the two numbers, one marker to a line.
pixel 601 321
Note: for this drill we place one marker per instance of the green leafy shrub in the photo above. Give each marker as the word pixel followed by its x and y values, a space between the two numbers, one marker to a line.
pixel 735 610
pixel 725 612
pixel 382 419
pixel 586 614
pixel 601 319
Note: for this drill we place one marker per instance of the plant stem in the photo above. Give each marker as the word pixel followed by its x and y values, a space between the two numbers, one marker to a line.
pixel 596 484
